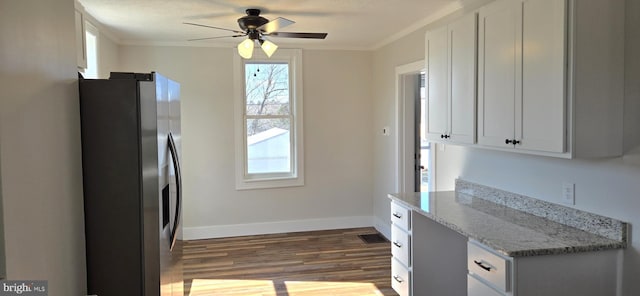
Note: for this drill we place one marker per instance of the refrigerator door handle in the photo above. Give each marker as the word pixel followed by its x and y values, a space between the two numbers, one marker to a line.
pixel 176 167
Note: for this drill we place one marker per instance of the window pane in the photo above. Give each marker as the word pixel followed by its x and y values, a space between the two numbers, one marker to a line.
pixel 268 146
pixel 267 89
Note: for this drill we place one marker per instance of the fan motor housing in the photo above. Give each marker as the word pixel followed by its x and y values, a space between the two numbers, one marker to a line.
pixel 252 20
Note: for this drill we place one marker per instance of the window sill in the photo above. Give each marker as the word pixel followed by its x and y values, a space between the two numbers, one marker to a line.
pixel 266 183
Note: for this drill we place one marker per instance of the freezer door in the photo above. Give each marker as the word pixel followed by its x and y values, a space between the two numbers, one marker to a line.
pixel 169 156
pixel 175 130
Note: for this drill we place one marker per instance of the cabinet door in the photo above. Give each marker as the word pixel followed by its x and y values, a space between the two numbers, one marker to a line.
pixel 541 124
pixel 462 83
pixel 437 105
pixel 478 288
pixel 81 51
pixel 499 34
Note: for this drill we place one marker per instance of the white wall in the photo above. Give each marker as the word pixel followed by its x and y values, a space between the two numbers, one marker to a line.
pixel 337 117
pixel 609 187
pixel 108 55
pixel 40 145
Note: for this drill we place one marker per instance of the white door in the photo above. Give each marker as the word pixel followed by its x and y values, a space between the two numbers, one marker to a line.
pixel 462 82
pixel 541 124
pixel 436 83
pixel 499 86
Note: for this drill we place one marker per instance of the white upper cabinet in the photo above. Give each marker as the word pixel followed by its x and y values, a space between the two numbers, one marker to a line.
pixel 550 77
pixel 451 82
pixel 521 93
pixel 436 84
pixel 81 49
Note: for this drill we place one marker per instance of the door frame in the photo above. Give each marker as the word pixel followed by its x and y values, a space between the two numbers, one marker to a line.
pixel 405 130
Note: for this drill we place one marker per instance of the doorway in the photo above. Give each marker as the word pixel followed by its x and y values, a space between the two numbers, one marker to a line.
pixel 415 171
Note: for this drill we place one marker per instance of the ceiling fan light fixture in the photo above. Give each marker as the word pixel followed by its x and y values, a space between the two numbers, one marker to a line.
pixel 245 48
pixel 268 47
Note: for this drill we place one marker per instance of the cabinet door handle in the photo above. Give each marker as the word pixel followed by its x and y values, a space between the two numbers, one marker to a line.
pixel 397 215
pixel 398 279
pixel 479 263
pixel 397 244
pixel 514 141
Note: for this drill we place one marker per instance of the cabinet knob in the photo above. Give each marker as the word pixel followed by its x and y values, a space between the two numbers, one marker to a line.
pixel 507 141
pixel 516 142
pixel 442 136
pixel 447 136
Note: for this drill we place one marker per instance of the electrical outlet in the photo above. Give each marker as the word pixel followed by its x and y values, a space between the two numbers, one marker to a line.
pixel 568 193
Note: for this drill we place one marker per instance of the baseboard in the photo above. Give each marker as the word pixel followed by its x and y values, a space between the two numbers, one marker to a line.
pixel 204 232
pixel 383 227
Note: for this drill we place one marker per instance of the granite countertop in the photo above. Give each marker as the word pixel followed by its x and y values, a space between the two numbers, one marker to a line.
pixel 509 231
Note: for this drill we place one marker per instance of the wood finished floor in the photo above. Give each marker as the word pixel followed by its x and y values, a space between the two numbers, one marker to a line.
pixel 332 262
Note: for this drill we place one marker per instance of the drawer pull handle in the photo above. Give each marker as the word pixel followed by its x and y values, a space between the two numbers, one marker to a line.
pixel 397 244
pixel 398 279
pixel 479 263
pixel 397 215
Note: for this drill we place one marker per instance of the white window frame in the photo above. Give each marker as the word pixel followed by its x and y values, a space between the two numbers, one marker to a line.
pixel 257 181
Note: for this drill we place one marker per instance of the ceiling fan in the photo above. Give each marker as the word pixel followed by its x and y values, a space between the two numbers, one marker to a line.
pixel 256 28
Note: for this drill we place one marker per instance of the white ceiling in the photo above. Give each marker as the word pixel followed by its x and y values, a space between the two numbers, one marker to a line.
pixel 351 24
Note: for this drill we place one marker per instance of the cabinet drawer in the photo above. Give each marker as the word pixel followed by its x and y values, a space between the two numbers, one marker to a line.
pixel 400 277
pixel 400 245
pixel 400 216
pixel 478 288
pixel 488 266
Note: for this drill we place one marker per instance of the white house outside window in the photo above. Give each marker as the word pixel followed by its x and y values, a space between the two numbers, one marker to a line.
pixel 269 121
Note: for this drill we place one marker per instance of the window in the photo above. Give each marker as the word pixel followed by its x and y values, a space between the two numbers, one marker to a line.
pixel 269 120
pixel 91 39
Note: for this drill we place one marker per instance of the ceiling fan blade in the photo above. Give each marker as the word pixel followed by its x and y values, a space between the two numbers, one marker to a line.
pixel 208 38
pixel 299 35
pixel 275 25
pixel 206 26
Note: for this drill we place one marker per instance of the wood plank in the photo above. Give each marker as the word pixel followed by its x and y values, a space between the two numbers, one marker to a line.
pixel 331 262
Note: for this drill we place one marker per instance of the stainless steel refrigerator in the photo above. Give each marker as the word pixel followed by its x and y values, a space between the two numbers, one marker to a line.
pixel 131 152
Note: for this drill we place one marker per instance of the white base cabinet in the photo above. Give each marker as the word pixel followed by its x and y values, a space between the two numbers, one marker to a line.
pixel 401 263
pixel 400 278
pixel 584 274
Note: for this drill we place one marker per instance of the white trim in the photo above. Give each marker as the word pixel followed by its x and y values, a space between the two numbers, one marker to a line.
pixel 401 109
pixel 204 232
pixel 447 10
pixel 383 227
pixel 294 58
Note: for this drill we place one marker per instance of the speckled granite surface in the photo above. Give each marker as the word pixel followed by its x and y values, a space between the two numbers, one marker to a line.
pixel 600 225
pixel 511 232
